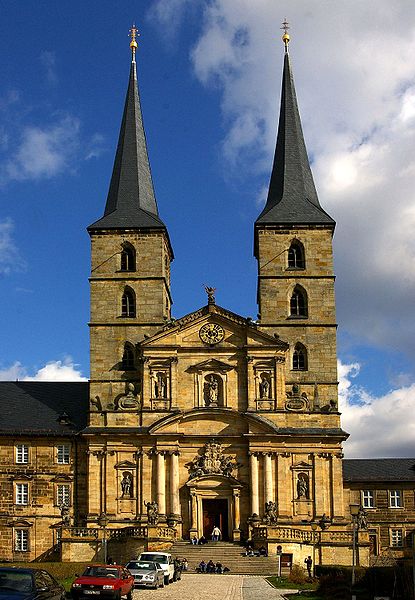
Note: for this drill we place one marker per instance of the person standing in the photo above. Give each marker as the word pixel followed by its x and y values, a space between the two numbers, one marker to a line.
pixel 308 563
pixel 216 533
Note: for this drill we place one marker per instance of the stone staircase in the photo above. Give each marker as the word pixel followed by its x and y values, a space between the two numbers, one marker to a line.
pixel 229 554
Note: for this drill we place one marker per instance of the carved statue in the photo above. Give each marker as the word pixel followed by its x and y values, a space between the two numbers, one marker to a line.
pixel 212 461
pixel 152 512
pixel 264 386
pixel 361 519
pixel 211 391
pixel 127 484
pixel 160 386
pixel 324 522
pixel 129 400
pixel 271 513
pixel 211 294
pixel 302 486
pixel 66 520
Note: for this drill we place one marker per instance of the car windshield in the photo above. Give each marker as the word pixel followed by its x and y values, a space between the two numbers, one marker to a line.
pixel 16 581
pixel 154 557
pixel 148 566
pixel 100 572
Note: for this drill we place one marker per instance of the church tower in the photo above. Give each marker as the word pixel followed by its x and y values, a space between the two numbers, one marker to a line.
pixel 130 270
pixel 293 246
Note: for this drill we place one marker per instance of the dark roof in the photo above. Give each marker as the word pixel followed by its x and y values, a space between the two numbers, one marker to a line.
pixel 292 196
pixel 36 408
pixel 379 469
pixel 131 202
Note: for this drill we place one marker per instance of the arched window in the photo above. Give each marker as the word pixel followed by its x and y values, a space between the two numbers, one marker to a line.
pixel 296 255
pixel 128 303
pixel 127 257
pixel 300 358
pixel 128 362
pixel 298 302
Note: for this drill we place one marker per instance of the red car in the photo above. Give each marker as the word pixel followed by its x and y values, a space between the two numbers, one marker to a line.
pixel 103 581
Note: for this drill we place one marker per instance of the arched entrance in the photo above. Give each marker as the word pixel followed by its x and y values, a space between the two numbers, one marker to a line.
pixel 214 500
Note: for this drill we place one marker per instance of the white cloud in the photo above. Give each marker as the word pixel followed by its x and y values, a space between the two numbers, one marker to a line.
pixel 10 259
pixel 355 83
pixel 44 152
pixel 56 370
pixel 378 426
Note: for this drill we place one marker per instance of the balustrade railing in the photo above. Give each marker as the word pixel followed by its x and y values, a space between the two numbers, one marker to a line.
pixel 288 534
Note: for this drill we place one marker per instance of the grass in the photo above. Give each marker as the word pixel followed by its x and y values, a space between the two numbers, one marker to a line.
pixel 283 583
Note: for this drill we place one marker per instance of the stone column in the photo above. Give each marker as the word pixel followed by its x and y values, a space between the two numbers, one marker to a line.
pixel 268 484
pixel 161 483
pixel 174 485
pixel 253 478
pixel 236 515
pixel 193 513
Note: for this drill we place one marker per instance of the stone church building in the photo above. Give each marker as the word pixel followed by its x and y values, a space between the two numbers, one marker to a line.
pixel 208 419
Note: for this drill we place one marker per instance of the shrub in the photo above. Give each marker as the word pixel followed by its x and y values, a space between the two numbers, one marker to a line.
pixel 297 575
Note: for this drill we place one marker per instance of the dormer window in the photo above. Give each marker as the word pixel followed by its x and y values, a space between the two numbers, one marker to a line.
pixel 296 255
pixel 128 262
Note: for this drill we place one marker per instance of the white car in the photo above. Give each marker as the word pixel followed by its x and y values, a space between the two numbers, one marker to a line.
pixel 165 560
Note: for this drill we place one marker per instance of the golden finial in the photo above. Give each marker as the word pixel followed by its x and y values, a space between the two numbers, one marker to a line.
pixel 286 36
pixel 133 44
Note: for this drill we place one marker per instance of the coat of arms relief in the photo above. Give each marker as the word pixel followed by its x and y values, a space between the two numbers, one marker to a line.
pixel 212 462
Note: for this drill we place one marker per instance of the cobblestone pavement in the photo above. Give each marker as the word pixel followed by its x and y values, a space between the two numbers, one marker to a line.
pixel 208 587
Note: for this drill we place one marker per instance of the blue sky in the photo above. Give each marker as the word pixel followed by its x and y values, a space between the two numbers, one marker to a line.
pixel 209 75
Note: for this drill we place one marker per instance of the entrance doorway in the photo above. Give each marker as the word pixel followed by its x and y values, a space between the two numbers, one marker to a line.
pixel 215 513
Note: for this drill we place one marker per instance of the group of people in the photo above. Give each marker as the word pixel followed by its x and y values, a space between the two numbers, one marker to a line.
pixel 249 551
pixel 216 536
pixel 211 567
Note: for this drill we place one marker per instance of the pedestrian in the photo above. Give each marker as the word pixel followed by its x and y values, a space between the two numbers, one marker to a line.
pixel 194 540
pixel 210 567
pixel 309 562
pixel 202 567
pixel 202 540
pixel 185 564
pixel 216 533
pixel 219 568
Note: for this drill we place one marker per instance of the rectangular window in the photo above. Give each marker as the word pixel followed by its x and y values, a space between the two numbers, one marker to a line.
pixel 22 493
pixel 395 499
pixel 396 538
pixel 21 540
pixel 62 454
pixel 22 454
pixel 368 499
pixel 63 494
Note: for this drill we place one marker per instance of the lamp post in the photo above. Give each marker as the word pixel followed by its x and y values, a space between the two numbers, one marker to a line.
pixel 354 512
pixel 314 527
pixel 103 522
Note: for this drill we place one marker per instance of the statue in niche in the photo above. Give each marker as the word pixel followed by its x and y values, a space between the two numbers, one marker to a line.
pixel 302 486
pixel 127 485
pixel 264 386
pixel 152 512
pixel 160 387
pixel 211 390
pixel 271 513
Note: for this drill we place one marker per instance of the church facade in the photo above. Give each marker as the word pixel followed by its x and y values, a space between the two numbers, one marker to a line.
pixel 208 419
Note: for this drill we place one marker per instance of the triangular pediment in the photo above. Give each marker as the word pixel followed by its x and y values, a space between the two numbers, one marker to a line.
pixel 125 464
pixel 234 331
pixel 211 365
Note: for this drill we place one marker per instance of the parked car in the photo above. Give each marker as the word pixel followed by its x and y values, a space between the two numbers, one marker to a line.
pixel 164 559
pixel 104 581
pixel 146 573
pixel 29 584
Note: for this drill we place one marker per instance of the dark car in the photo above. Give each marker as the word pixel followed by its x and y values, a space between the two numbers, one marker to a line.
pixel 103 581
pixel 29 584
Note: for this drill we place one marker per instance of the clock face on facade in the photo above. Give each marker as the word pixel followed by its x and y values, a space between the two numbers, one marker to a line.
pixel 211 333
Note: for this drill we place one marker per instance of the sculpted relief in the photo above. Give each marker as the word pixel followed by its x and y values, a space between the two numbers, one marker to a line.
pixel 212 462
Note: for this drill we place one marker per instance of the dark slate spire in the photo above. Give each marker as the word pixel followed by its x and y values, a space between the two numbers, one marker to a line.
pixel 292 197
pixel 131 202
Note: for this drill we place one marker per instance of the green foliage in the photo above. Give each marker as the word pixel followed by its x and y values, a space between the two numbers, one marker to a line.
pixel 297 575
pixel 283 583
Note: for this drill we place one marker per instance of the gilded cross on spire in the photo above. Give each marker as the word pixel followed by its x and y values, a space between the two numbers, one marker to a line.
pixel 133 44
pixel 286 36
